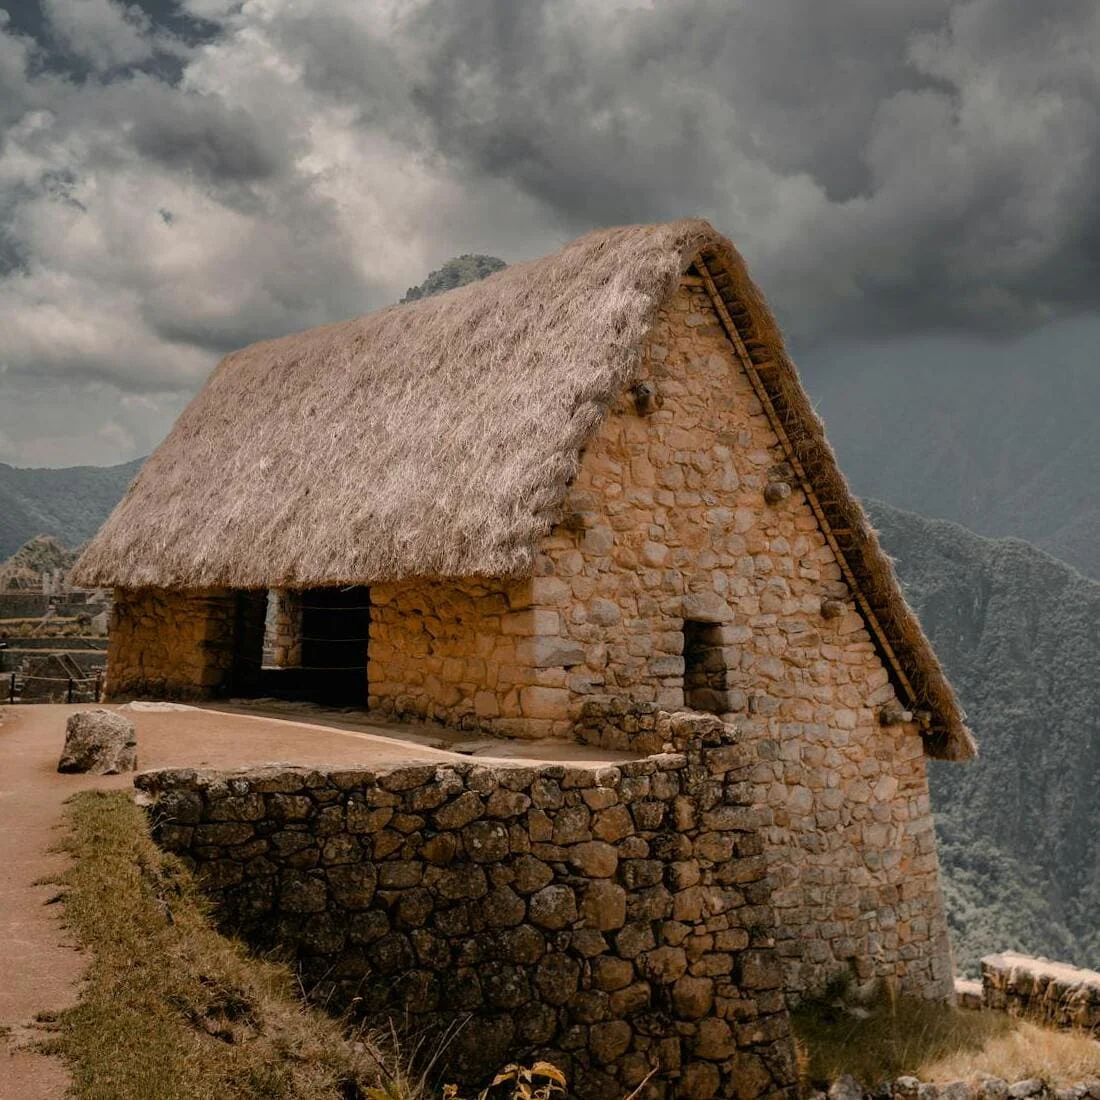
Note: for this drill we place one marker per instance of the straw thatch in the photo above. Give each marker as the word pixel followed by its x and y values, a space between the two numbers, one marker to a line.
pixel 439 438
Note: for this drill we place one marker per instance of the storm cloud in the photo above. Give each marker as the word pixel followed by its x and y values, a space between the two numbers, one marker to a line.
pixel 177 180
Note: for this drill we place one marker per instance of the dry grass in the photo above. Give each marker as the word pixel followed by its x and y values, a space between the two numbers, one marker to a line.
pixel 436 438
pixel 885 1038
pixel 173 1010
pixel 1057 1057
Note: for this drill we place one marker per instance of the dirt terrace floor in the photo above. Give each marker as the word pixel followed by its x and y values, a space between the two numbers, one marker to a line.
pixel 42 968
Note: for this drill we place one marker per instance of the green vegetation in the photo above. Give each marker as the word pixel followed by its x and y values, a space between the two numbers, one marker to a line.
pixel 69 504
pixel 456 272
pixel 1002 445
pixel 173 1010
pixel 884 1038
pixel 25 567
pixel 1017 633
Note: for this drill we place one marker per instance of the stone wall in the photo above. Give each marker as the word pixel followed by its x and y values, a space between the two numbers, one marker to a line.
pixel 610 918
pixel 23 605
pixel 471 654
pixel 170 645
pixel 27 605
pixel 666 524
pixel 1053 992
pixel 668 531
pixel 286 628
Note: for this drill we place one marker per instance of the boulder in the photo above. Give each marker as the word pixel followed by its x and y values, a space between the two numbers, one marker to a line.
pixel 845 1087
pixel 99 742
pixel 1023 1090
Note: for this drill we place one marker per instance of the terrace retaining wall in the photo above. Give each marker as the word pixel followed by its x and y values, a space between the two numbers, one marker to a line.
pixel 610 919
pixel 1052 992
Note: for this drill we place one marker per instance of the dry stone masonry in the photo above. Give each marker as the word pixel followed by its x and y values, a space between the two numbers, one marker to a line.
pixel 688 569
pixel 612 919
pixel 677 579
pixel 169 645
pixel 1053 992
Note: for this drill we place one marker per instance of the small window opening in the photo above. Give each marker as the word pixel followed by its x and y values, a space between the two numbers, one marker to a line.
pixel 704 668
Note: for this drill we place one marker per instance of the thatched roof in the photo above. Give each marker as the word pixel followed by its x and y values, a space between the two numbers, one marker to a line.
pixel 439 438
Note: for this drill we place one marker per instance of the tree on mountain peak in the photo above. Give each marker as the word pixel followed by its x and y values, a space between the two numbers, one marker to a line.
pixel 456 272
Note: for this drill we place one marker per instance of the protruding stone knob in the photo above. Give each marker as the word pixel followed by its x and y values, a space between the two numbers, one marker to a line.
pixel 646 398
pixel 776 492
pixel 893 714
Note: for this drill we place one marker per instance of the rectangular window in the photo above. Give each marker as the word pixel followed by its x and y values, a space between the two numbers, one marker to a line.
pixel 704 667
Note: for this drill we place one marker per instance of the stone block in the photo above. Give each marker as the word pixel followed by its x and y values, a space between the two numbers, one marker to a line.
pixel 99 742
pixel 594 858
pixel 544 702
pixel 548 652
pixel 706 607
pixel 553 907
pixel 534 622
pixel 604 905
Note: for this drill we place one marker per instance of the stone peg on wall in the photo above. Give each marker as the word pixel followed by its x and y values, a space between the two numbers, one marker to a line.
pixel 893 714
pixel 646 398
pixel 832 608
pixel 775 492
pixel 99 742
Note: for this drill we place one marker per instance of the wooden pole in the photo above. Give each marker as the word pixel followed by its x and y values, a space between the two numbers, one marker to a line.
pixel 69 691
pixel 806 485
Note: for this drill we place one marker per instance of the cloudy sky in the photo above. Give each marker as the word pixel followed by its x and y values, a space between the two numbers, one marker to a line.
pixel 181 177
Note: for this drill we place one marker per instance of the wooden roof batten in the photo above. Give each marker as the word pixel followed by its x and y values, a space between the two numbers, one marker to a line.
pixel 725 306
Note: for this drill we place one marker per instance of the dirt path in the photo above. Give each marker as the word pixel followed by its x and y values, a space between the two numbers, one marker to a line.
pixel 42 968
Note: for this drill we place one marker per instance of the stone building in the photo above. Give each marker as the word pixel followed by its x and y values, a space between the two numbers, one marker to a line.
pixel 557 502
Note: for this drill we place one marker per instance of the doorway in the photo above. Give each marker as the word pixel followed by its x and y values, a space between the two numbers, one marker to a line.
pixel 315 647
pixel 335 633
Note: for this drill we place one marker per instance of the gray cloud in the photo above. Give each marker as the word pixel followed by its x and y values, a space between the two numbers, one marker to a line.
pixel 201 135
pixel 890 170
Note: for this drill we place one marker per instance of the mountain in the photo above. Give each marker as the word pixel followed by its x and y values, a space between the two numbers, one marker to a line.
pixel 25 567
pixel 1019 634
pixel 458 271
pixel 1009 449
pixel 69 504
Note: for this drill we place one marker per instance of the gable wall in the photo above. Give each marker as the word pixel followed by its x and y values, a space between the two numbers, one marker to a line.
pixel 671 523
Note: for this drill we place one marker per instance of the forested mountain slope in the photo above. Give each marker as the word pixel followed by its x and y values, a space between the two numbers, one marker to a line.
pixel 69 503
pixel 1010 451
pixel 1019 634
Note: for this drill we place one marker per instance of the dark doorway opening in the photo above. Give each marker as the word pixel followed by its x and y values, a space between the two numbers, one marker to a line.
pixel 704 667
pixel 335 628
pixel 329 648
pixel 246 671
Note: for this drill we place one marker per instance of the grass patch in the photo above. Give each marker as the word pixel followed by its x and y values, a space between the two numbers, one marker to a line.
pixel 174 1010
pixel 881 1038
pixel 1059 1058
